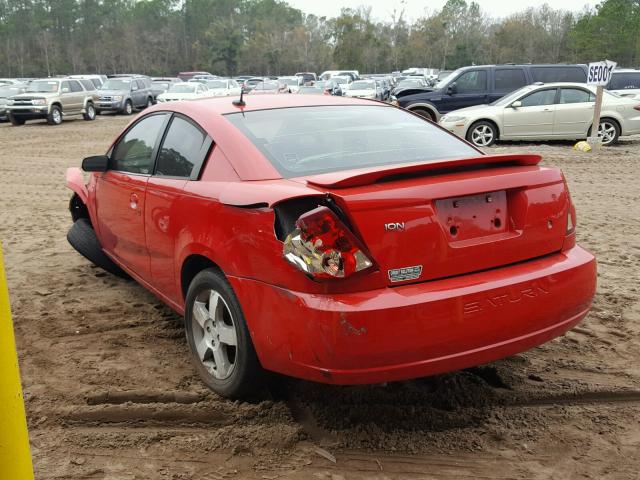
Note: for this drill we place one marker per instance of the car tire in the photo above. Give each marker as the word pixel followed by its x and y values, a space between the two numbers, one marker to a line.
pixel 90 112
pixel 613 131
pixel 149 102
pixel 83 238
pixel 423 112
pixel 55 116
pixel 232 371
pixel 482 134
pixel 128 108
pixel 15 121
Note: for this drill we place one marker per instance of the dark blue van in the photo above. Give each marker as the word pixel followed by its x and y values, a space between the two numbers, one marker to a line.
pixel 478 85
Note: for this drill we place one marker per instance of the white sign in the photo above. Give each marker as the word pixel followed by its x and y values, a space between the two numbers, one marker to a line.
pixel 599 73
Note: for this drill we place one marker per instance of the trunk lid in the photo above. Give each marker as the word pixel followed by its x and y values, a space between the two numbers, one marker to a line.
pixel 427 222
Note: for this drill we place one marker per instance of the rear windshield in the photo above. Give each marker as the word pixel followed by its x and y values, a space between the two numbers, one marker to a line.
pixel 558 74
pixel 307 140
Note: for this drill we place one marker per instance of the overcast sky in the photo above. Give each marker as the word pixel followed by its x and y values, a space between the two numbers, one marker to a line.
pixel 381 9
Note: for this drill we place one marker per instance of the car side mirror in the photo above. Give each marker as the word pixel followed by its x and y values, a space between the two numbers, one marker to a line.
pixel 96 163
pixel 65 90
pixel 516 104
pixel 453 88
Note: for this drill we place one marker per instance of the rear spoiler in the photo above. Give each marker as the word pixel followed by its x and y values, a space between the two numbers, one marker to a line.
pixel 367 176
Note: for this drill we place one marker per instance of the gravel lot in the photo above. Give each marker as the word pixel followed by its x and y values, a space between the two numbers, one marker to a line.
pixel 111 395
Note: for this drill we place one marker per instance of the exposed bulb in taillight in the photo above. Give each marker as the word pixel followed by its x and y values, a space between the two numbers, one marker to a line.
pixel 323 247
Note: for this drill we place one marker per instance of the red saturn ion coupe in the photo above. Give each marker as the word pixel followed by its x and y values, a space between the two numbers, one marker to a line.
pixel 337 240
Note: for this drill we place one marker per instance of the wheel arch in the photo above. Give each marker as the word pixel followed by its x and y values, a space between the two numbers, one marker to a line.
pixel 485 119
pixel 191 266
pixel 425 106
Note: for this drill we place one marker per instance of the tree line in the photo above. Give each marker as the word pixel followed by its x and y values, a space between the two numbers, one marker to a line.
pixel 269 37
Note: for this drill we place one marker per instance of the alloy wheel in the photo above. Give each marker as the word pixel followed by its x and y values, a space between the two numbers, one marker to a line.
pixel 57 116
pixel 214 334
pixel 607 131
pixel 482 135
pixel 91 112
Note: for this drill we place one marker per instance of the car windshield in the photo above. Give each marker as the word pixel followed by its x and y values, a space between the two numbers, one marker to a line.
pixel 116 84
pixel 8 91
pixel 308 140
pixel 360 85
pixel 512 96
pixel 411 83
pixel 183 88
pixel 443 82
pixel 217 84
pixel 266 86
pixel 43 86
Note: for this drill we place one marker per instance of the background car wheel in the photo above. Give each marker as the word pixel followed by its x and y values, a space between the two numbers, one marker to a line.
pixel 424 113
pixel 149 102
pixel 482 134
pixel 609 131
pixel 16 121
pixel 220 344
pixel 90 113
pixel 128 108
pixel 55 116
pixel 83 238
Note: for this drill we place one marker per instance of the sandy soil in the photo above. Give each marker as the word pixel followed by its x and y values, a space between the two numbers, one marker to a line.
pixel 111 395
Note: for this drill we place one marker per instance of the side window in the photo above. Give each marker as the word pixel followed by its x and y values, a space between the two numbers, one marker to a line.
pixel 87 84
pixel 64 85
pixel 624 81
pixel 96 82
pixel 183 150
pixel 558 74
pixel 140 84
pixel 509 79
pixel 474 81
pixel 576 95
pixel 75 86
pixel 539 98
pixel 134 151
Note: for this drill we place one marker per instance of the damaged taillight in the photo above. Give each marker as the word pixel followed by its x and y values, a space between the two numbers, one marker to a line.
pixel 323 247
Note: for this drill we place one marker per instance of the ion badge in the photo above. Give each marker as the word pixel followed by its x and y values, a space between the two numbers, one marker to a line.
pixel 405 273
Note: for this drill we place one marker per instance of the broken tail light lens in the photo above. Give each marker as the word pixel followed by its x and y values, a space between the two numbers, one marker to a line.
pixel 323 247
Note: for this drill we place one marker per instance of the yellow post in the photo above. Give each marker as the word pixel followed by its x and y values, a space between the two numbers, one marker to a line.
pixel 15 457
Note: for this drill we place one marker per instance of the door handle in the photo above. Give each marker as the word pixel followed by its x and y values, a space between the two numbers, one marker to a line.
pixel 133 201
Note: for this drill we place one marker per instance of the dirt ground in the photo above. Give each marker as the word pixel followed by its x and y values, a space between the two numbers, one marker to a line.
pixel 110 393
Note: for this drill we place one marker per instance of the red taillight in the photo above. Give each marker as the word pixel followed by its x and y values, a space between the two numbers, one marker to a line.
pixel 323 247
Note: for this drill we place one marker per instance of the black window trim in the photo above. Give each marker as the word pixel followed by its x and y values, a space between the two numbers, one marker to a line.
pixel 486 81
pixel 205 151
pixel 156 147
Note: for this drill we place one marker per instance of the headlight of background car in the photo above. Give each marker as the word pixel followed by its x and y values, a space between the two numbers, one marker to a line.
pixel 39 101
pixel 10 102
pixel 160 99
pixel 117 98
pixel 448 118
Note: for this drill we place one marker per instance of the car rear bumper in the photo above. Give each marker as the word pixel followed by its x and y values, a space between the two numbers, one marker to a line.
pixel 417 330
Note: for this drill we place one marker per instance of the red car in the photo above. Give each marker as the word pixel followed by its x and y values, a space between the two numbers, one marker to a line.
pixel 337 240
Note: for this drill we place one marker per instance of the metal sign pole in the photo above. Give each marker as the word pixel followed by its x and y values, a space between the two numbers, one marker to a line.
pixel 15 457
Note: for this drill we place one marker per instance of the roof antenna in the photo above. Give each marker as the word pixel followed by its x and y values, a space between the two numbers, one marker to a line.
pixel 241 102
